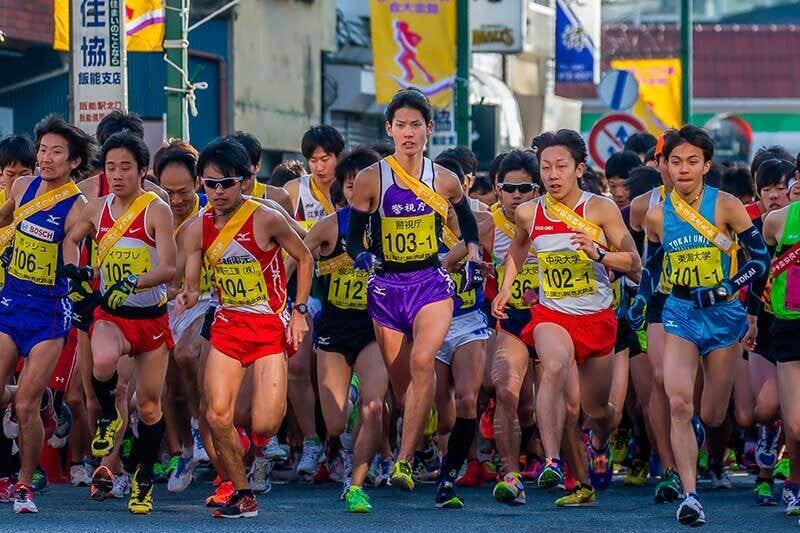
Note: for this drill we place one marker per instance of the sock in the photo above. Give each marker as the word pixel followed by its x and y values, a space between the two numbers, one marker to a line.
pixel 105 392
pixel 146 447
pixel 6 463
pixel 458 447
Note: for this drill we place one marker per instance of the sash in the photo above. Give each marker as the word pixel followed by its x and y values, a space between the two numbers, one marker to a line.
pixel 229 231
pixel 703 226
pixel 320 197
pixel 575 221
pixel 786 259
pixel 333 264
pixel 259 189
pixel 190 216
pixel 502 223
pixel 122 224
pixel 40 203
pixel 433 199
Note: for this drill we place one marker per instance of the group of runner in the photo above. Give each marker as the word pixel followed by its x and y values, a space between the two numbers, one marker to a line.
pixel 181 304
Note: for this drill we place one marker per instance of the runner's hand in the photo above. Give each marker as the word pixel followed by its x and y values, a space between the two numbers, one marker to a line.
pixel 367 261
pixel 184 301
pixel 78 290
pixel 749 339
pixel 74 272
pixel 706 296
pixel 499 304
pixel 298 327
pixel 472 277
pixel 586 244
pixel 636 312
pixel 118 293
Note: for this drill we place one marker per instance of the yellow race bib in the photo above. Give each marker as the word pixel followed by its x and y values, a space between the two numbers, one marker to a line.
pixel 240 283
pixel 527 280
pixel 616 288
pixel 307 224
pixel 566 274
pixel 34 260
pixel 124 261
pixel 468 298
pixel 348 289
pixel 698 267
pixel 409 238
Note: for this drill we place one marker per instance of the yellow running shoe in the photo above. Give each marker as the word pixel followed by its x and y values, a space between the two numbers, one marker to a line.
pixel 581 496
pixel 637 476
pixel 103 441
pixel 510 490
pixel 141 501
pixel 401 475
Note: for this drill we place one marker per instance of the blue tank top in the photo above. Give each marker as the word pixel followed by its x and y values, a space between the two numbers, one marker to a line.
pixel 37 251
pixel 690 259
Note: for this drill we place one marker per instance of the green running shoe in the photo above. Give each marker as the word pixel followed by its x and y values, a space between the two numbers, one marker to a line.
pixel 446 497
pixel 669 488
pixel 581 496
pixel 159 473
pixel 172 465
pixel 781 469
pixel 764 494
pixel 357 501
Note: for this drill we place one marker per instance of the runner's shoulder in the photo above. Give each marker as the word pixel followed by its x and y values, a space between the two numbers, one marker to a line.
pixel 148 185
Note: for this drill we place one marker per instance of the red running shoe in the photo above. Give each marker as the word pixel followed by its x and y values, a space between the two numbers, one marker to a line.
pixel 221 496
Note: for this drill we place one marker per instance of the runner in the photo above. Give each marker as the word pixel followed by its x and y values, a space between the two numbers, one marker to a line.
pixel 136 261
pixel 251 186
pixel 573 326
pixel 701 318
pixel 17 159
pixel 243 243
pixel 410 296
pixel 35 313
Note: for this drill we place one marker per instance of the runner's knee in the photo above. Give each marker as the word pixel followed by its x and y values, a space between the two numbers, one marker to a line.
pixel 149 411
pixel 680 407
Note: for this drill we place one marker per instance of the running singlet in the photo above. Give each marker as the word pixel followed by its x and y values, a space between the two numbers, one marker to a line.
pixel 134 253
pixel 313 208
pixel 247 278
pixel 37 253
pixel 785 294
pixel 411 232
pixel 200 203
pixel 344 288
pixel 527 278
pixel 569 282
pixel 690 260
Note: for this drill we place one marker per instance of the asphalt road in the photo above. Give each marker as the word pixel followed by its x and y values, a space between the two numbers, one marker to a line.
pixel 294 507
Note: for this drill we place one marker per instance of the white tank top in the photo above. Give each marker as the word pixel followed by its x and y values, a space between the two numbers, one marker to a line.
pixel 527 276
pixel 312 208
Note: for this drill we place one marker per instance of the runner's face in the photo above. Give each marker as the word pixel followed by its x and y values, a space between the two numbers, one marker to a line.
pixel 124 175
pixel 511 200
pixel 222 200
pixel 347 188
pixel 177 181
pixel 409 131
pixel 53 158
pixel 12 172
pixel 619 191
pixel 775 196
pixel 687 167
pixel 322 165
pixel 559 172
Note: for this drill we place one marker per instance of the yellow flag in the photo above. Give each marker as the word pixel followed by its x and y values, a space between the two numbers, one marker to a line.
pixel 144 25
pixel 414 44
pixel 659 104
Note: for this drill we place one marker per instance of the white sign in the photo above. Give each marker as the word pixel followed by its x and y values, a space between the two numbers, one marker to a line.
pixel 444 132
pixel 618 89
pixel 497 25
pixel 99 63
pixel 608 135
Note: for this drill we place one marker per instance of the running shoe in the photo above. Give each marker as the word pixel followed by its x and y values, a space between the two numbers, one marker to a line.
pixel 637 475
pixel 259 475
pixel 767 446
pixel 141 500
pixel 23 500
pixel 103 441
pixel 446 497
pixel 78 476
pixel 402 475
pixel 581 496
pixel 63 427
pixel 533 467
pixel 791 498
pixel 690 511
pixel 10 424
pixel 510 490
pixel 181 476
pixel 48 415
pixel 381 471
pixel 669 488
pixel 702 462
pixel 601 469
pixel 781 469
pixel 719 477
pixel 472 476
pixel 159 473
pixel 172 464
pixel 357 501
pixel 486 424
pixel 619 446
pixel 427 464
pixel 552 474
pixel 221 495
pixel 239 506
pixel 6 490
pixel 122 485
pixel 273 451
pixel 200 455
pixel 39 483
pixel 764 493
pixel 310 459
pixel 102 484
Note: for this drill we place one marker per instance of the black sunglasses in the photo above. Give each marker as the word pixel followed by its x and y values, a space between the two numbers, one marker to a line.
pixel 523 188
pixel 225 183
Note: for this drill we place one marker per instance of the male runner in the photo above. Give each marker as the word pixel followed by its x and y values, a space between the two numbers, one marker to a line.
pixel 410 296
pixel 251 186
pixel 136 260
pixel 243 241
pixel 578 237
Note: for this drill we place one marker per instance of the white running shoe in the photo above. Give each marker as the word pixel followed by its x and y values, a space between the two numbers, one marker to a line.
pixel 200 455
pixel 273 451
pixel 259 475
pixel 78 476
pixel 720 480
pixel 23 500
pixel 10 424
pixel 181 477
pixel 310 460
pixel 121 486
pixel 690 512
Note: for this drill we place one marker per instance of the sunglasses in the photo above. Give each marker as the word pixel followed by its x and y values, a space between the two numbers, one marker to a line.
pixel 523 188
pixel 225 183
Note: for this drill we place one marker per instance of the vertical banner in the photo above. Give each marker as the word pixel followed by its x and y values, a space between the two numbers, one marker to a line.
pixel 578 41
pixel 144 25
pixel 659 104
pixel 444 132
pixel 414 44
pixel 99 80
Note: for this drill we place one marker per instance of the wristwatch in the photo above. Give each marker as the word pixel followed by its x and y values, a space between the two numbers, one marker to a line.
pixel 132 279
pixel 601 254
pixel 721 292
pixel 300 308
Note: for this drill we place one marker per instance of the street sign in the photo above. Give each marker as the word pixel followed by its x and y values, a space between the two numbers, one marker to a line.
pixel 497 25
pixel 618 89
pixel 609 134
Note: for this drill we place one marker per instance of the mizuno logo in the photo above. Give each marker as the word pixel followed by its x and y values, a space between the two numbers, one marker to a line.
pixel 244 237
pixel 53 220
pixel 5 301
pixel 671 324
pixel 378 291
pixel 323 340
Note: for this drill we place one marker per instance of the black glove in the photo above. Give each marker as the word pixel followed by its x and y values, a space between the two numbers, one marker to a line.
pixel 118 293
pixel 78 290
pixel 74 272
pixel 472 276
pixel 5 257
pixel 707 296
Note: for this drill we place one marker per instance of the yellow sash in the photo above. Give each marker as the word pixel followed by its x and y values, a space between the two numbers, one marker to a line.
pixel 333 264
pixel 40 203
pixel 3 196
pixel 229 231
pixel 662 193
pixel 195 210
pixel 502 223
pixel 320 197
pixel 703 226
pixel 434 200
pixel 122 224
pixel 259 189
pixel 575 221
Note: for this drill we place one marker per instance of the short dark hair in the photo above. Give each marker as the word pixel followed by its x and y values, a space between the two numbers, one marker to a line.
pixel 569 139
pixel 642 180
pixel 350 163
pixel 178 152
pixel 465 157
pixel 323 136
pixel 117 121
pixel 640 142
pixel 228 155
pixel 130 142
pixel 766 153
pixel 520 160
pixel 714 175
pixel 737 181
pixel 384 148
pixel 650 155
pixel 410 97
pixel 693 135
pixel 494 167
pixel 452 164
pixel 620 164
pixel 251 145
pixel 772 172
pixel 80 144
pixel 481 185
pixel 591 181
pixel 286 171
pixel 17 149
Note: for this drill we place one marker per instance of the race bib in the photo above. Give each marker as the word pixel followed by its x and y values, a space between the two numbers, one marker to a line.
pixel 566 274
pixel 240 283
pixel 468 298
pixel 793 288
pixel 121 262
pixel 527 279
pixel 307 224
pixel 698 267
pixel 206 280
pixel 34 260
pixel 409 238
pixel 616 288
pixel 348 289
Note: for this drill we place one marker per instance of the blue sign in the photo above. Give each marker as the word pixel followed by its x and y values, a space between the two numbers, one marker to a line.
pixel 577 42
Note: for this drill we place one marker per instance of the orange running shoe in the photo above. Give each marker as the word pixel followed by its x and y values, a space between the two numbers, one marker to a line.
pixel 473 476
pixel 221 495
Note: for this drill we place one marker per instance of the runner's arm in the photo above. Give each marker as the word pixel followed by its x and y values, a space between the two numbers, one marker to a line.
pixel 84 214
pixel 750 240
pixel 162 225
pixel 280 197
pixel 459 251
pixel 180 265
pixel 517 253
pixel 323 233
pixel 296 248
pixel 193 265
pixel 366 192
pixel 447 183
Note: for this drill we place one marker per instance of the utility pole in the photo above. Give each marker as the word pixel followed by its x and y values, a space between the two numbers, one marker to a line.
pixel 686 61
pixel 461 93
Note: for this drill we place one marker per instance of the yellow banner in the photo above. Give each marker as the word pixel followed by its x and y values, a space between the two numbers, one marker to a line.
pixel 659 104
pixel 414 44
pixel 144 25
